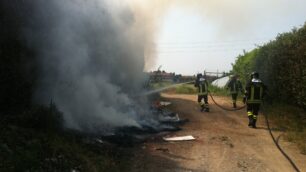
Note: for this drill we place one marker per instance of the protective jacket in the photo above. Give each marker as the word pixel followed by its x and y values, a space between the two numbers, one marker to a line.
pixel 202 87
pixel 234 86
pixel 255 91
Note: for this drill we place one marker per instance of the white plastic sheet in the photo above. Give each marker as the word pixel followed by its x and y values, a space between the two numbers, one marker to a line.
pixel 181 138
pixel 221 82
pixel 165 103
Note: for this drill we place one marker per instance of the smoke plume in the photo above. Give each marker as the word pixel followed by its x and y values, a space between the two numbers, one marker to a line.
pixel 89 59
pixel 90 54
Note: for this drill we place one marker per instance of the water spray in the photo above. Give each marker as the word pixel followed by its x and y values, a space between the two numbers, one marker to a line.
pixel 164 88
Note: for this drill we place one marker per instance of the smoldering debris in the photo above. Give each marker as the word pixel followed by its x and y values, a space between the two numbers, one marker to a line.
pixel 167 121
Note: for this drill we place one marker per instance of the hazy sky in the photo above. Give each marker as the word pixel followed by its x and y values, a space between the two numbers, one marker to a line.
pixel 210 36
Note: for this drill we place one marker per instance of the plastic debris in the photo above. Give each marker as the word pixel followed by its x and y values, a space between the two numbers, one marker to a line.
pixel 165 103
pixel 181 138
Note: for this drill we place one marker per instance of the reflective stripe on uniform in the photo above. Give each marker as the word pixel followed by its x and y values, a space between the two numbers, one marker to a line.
pixel 201 93
pixel 252 98
pixel 254 117
pixel 250 113
pixel 252 93
pixel 233 91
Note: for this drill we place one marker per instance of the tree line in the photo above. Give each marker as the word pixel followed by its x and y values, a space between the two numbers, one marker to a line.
pixel 281 64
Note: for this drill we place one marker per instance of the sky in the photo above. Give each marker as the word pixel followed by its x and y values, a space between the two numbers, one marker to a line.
pixel 209 35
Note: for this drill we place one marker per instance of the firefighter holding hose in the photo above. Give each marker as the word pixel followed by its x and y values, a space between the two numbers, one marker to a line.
pixel 202 85
pixel 234 86
pixel 254 92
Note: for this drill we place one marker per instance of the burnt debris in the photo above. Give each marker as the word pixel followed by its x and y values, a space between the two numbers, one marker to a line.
pixel 166 121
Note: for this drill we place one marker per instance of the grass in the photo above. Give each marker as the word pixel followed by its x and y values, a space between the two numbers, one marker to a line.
pixel 185 89
pixel 179 89
pixel 190 89
pixel 29 142
pixel 292 120
pixel 218 91
pixel 158 85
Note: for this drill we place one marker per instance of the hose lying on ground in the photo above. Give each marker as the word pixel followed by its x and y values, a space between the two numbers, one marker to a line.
pixel 270 131
pixel 224 108
pixel 277 145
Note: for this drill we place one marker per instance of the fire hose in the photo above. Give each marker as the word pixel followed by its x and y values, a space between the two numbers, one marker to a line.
pixel 277 144
pixel 269 129
pixel 224 108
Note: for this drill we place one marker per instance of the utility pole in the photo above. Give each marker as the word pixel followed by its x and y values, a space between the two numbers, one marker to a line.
pixel 217 73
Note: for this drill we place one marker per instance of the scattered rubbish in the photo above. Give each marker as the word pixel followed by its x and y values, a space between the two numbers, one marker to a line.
pixel 165 103
pixel 99 141
pixel 169 118
pixel 181 138
pixel 160 104
pixel 163 120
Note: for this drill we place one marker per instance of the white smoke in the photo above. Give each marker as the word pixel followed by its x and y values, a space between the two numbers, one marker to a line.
pixel 92 59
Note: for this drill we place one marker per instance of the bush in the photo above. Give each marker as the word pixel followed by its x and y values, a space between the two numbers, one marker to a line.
pixel 218 91
pixel 186 89
pixel 282 66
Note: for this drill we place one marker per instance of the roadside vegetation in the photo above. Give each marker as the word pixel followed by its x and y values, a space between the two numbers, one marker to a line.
pixel 282 66
pixel 218 91
pixel 177 89
pixel 290 119
pixel 189 89
pixel 36 141
pixel 185 89
pixel 159 85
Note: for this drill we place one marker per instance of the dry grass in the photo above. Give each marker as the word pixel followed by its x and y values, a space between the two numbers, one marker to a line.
pixel 292 120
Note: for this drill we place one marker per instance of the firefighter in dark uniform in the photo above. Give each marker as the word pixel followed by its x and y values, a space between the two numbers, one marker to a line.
pixel 254 93
pixel 202 86
pixel 234 85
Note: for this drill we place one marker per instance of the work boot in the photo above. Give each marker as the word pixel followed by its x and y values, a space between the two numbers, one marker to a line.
pixel 250 121
pixel 254 123
pixel 234 105
pixel 206 109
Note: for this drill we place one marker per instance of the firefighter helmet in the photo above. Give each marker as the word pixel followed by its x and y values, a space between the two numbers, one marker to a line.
pixel 199 75
pixel 255 74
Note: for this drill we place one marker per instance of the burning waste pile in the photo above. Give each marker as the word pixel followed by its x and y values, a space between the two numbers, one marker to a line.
pixel 162 120
pixel 85 56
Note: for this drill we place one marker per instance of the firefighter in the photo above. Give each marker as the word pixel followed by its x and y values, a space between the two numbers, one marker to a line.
pixel 254 93
pixel 234 85
pixel 202 86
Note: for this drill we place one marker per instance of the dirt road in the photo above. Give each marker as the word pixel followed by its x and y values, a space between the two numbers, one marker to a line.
pixel 224 143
